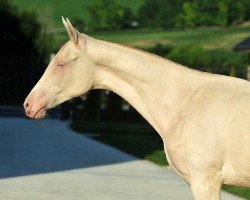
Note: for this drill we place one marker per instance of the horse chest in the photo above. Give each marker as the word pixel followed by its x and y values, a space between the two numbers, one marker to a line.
pixel 175 147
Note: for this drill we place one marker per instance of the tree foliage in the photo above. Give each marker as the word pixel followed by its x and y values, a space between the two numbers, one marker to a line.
pixel 217 61
pixel 22 53
pixel 193 13
pixel 159 13
pixel 191 56
pixel 108 15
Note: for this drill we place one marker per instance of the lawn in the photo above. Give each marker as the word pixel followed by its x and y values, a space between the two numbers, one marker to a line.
pixel 137 139
pixel 207 38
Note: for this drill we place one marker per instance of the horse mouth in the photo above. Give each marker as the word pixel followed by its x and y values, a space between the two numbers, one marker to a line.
pixel 41 113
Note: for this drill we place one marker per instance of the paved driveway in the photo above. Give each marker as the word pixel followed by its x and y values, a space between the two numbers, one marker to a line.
pixel 45 160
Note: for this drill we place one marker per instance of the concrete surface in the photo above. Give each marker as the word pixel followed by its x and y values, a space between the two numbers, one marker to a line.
pixel 45 160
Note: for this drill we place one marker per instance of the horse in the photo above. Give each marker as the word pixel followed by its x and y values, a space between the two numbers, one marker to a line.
pixel 203 119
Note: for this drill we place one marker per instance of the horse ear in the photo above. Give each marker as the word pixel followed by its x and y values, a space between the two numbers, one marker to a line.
pixel 66 26
pixel 72 32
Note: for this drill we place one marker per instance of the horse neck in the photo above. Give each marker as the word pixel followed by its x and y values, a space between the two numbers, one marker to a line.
pixel 154 86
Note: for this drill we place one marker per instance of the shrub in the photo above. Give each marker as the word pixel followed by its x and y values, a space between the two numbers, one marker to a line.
pixel 159 49
pixel 191 56
pixel 228 63
pixel 108 15
pixel 216 61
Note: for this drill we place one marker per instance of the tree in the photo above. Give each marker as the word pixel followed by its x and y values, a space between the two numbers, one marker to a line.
pixel 189 16
pixel 238 11
pixel 114 107
pixel 193 13
pixel 22 55
pixel 107 15
pixel 159 13
pixel 203 13
pixel 222 16
pixel 79 24
pixel 92 106
pixel 191 56
pixel 207 12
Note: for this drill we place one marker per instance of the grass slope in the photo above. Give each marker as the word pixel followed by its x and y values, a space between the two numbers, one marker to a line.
pixel 70 9
pixel 207 38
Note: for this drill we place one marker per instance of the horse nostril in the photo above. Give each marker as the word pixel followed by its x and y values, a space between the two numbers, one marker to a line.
pixel 26 105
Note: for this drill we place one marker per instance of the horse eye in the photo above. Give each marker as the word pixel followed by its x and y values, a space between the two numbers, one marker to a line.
pixel 60 64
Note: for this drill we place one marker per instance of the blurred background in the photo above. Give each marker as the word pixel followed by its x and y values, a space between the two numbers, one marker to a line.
pixel 201 34
pixel 208 35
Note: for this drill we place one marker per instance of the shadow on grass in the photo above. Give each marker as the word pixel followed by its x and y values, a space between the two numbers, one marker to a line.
pixel 140 140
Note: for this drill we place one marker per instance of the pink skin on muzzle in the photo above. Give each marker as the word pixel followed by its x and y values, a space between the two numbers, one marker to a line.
pixel 35 105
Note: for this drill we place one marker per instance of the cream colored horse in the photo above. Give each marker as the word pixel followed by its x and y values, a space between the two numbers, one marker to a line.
pixel 203 119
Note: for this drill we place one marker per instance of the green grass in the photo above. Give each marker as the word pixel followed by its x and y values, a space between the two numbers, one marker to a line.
pixel 139 140
pixel 209 39
pixel 239 191
pixel 70 9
